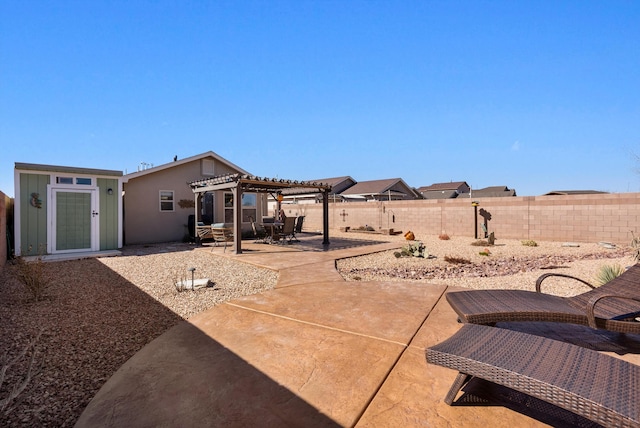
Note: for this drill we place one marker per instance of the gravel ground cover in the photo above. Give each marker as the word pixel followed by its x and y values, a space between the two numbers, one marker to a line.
pixel 97 314
pixel 100 312
pixel 510 264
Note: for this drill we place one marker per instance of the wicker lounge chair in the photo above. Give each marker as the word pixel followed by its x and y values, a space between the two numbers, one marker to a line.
pixel 596 386
pixel 614 306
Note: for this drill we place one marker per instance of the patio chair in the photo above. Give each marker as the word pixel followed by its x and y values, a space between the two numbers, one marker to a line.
pixel 288 228
pixel 222 233
pixel 259 232
pixel 203 231
pixel 297 228
pixel 614 306
pixel 599 387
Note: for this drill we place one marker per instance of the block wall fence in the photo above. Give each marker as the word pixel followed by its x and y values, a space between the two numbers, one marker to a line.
pixel 575 218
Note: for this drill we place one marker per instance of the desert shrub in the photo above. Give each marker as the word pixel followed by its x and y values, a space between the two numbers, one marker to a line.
pixel 456 260
pixel 635 244
pixel 32 275
pixel 415 249
pixel 608 273
pixel 529 243
pixel 443 237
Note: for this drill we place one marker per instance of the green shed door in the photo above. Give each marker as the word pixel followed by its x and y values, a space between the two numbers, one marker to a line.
pixel 74 220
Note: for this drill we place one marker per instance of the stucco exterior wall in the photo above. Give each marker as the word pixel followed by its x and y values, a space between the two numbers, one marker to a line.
pixel 576 218
pixel 144 222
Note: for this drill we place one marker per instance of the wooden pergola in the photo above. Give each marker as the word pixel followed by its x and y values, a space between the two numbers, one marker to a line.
pixel 241 183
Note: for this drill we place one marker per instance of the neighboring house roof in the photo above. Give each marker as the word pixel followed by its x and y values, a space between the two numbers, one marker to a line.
pixel 380 188
pixel 183 161
pixel 444 190
pixel 573 192
pixel 438 187
pixel 441 194
pixel 494 191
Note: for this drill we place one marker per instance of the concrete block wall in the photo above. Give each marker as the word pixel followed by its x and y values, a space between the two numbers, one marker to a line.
pixel 579 218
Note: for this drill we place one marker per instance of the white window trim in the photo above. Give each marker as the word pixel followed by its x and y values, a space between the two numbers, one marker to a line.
pixel 173 201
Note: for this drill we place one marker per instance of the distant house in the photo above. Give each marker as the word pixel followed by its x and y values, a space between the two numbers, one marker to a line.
pixel 444 190
pixel 574 192
pixel 492 192
pixel 338 184
pixel 391 189
pixel 159 204
pixel 63 210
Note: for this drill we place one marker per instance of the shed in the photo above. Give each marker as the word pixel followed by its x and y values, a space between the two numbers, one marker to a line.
pixel 61 209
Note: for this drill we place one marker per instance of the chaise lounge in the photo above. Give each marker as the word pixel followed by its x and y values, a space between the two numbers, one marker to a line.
pixel 614 306
pixel 596 386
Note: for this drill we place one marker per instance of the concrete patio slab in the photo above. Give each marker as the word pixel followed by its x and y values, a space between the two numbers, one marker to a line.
pixel 315 351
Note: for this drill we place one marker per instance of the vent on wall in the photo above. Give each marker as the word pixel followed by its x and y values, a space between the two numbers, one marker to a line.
pixel 208 167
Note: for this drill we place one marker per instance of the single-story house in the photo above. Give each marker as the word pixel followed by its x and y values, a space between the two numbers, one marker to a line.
pixel 60 209
pixel 444 190
pixel 159 203
pixel 391 189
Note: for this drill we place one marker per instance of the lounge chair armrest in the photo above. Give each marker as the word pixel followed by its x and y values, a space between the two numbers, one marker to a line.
pixel 562 275
pixel 591 306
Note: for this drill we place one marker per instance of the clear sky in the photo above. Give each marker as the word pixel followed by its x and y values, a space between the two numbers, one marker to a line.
pixel 533 95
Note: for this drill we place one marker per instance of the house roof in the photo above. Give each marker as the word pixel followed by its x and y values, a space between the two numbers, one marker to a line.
pixel 377 188
pixel 66 169
pixel 438 187
pixel 184 161
pixel 573 192
pixel 494 191
pixel 337 184
pixel 440 194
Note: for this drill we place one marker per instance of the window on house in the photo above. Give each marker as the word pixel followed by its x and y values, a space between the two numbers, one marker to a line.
pixel 248 207
pixel 166 200
pixel 64 180
pixel 83 181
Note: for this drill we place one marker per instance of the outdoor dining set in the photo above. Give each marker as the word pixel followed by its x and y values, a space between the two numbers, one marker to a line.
pixel 271 231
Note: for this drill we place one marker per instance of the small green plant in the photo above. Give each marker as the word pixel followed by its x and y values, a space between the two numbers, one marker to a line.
pixel 608 273
pixel 415 249
pixel 32 274
pixel 635 244
pixel 484 253
pixel 456 260
pixel 529 243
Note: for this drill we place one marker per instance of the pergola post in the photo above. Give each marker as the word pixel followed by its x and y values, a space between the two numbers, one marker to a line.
pixel 237 219
pixel 325 216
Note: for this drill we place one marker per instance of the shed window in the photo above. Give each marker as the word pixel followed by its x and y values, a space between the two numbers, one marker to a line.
pixel 166 200
pixel 83 181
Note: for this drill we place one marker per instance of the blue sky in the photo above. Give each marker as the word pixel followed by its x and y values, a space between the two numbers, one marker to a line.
pixel 536 96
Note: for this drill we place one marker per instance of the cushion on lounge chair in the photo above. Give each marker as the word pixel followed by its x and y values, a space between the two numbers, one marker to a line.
pixel 613 306
pixel 601 388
